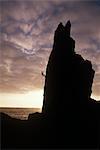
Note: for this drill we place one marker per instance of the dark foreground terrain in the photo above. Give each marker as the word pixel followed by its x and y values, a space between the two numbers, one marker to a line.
pixel 40 131
pixel 69 118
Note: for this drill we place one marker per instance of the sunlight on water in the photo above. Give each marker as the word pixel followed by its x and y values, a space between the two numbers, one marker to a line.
pixel 19 113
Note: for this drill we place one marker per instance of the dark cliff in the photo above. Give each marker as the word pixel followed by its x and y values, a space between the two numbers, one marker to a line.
pixel 69 77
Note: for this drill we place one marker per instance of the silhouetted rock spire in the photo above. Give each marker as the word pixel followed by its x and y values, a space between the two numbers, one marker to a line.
pixel 68 76
pixel 68 28
pixel 67 91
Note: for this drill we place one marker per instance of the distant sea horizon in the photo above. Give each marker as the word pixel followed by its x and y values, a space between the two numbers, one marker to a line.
pixel 18 112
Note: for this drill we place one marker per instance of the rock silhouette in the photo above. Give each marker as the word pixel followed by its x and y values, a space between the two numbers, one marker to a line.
pixel 68 87
pixel 69 118
pixel 68 76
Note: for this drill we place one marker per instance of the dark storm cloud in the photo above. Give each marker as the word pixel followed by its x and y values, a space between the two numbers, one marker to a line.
pixel 27 29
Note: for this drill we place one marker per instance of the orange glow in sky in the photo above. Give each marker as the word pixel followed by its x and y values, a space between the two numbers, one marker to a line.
pixel 32 99
pixel 95 97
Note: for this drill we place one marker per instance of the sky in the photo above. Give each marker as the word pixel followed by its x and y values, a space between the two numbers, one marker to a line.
pixel 27 31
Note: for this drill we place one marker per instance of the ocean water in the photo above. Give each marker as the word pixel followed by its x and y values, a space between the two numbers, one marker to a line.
pixel 19 113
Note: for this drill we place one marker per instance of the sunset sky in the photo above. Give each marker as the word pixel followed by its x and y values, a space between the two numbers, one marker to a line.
pixel 27 30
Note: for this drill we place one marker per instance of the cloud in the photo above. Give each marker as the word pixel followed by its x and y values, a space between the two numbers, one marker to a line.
pixel 19 72
pixel 27 29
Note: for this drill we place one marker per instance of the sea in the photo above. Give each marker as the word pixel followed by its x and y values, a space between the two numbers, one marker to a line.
pixel 19 113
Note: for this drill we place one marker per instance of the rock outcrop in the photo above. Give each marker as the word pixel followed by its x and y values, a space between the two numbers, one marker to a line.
pixel 69 77
pixel 67 91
